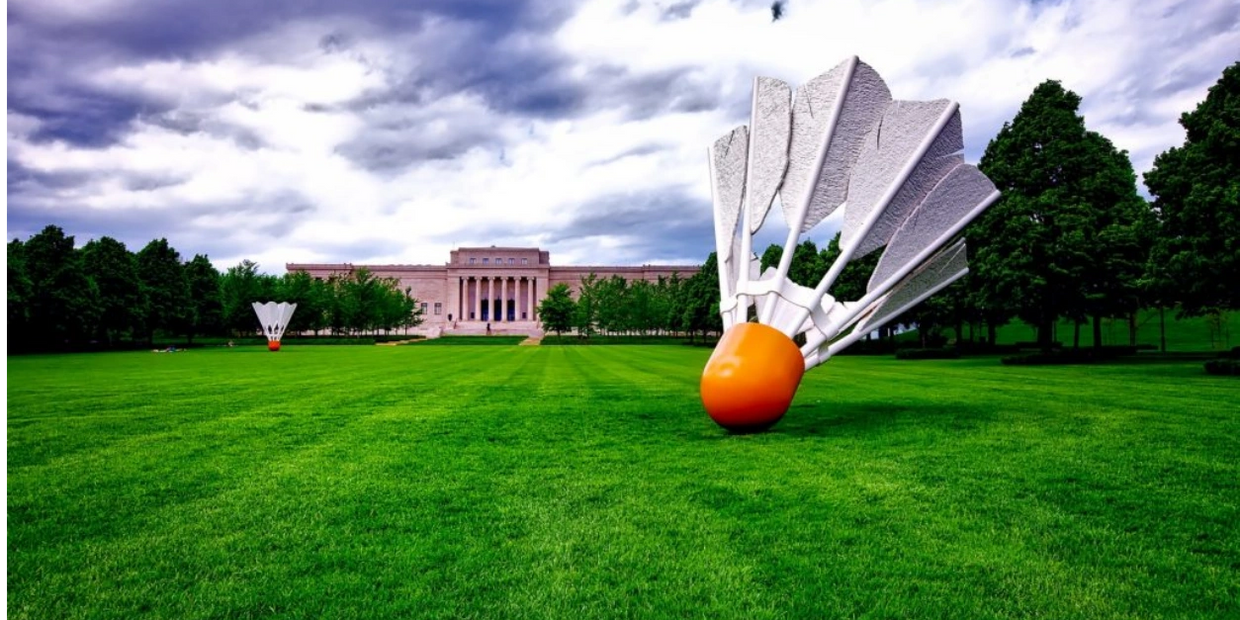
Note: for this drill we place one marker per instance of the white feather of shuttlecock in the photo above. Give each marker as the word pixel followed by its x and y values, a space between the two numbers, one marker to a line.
pixel 274 318
pixel 894 167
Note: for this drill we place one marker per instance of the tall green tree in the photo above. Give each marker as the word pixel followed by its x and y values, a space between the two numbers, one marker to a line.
pixel 642 306
pixel 20 290
pixel 807 267
pixel 1196 189
pixel 167 291
pixel 63 303
pixel 557 309
pixel 851 284
pixel 121 303
pixel 1116 236
pixel 206 312
pixel 299 287
pixel 1035 252
pixel 585 315
pixel 700 295
pixel 241 286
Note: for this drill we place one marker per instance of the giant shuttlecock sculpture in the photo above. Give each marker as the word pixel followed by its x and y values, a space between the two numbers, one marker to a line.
pixel 274 318
pixel 896 170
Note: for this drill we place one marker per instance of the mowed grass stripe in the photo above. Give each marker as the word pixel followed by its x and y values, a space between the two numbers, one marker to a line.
pixel 587 482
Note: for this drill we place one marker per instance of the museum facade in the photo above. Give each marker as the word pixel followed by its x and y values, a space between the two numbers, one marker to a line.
pixel 499 287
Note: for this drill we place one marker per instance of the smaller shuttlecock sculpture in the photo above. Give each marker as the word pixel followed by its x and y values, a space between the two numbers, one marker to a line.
pixel 895 169
pixel 274 318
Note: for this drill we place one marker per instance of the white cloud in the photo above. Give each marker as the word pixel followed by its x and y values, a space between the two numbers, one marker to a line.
pixel 280 121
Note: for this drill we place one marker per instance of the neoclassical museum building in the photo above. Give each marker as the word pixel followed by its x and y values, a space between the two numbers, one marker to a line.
pixel 495 286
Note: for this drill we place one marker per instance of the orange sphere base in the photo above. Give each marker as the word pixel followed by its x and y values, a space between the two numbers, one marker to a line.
pixel 750 379
pixel 273 345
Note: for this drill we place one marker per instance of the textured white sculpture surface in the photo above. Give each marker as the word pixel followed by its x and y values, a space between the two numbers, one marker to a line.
pixel 274 318
pixel 894 166
pixel 768 159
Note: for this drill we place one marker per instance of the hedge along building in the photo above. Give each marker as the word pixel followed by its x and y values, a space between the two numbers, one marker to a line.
pixel 496 286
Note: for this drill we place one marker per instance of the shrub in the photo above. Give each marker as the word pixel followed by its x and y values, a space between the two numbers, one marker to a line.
pixel 1224 367
pixel 1033 344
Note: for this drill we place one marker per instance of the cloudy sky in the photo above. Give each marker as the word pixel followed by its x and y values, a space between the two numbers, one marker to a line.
pixel 390 131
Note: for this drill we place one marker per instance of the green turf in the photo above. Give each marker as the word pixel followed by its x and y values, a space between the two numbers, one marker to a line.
pixel 585 482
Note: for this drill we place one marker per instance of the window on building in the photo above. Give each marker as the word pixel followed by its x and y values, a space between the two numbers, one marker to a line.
pixel 525 261
pixel 512 261
pixel 438 308
pixel 486 261
pixel 472 260
pixel 424 307
pixel 499 261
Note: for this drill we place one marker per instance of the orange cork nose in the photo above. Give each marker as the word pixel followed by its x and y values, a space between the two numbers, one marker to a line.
pixel 751 377
pixel 273 345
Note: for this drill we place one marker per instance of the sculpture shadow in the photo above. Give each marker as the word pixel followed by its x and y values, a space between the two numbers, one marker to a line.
pixel 810 420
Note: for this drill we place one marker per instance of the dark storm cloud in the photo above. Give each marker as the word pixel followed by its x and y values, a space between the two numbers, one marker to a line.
pixel 48 56
pixel 682 89
pixel 379 151
pixel 186 122
pixel 218 229
pixel 357 249
pixel 191 29
pixel 638 151
pixel 656 225
pixel 78 115
pixel 531 84
pixel 679 10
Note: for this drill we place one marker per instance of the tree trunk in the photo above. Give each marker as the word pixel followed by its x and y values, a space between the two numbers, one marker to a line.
pixel 1076 335
pixel 991 336
pixel 1162 330
pixel 1045 334
pixel 1097 331
pixel 1132 328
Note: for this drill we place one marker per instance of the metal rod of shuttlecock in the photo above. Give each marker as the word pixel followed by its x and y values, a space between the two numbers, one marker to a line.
pixel 274 318
pixel 897 171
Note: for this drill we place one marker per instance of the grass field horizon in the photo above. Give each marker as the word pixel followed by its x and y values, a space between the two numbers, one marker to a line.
pixel 548 482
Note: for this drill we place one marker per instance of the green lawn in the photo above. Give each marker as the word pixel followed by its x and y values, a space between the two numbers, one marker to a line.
pixel 586 482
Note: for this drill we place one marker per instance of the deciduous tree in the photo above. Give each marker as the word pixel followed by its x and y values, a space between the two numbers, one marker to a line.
pixel 1196 187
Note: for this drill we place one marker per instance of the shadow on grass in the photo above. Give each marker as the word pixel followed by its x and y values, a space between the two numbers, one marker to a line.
pixel 870 419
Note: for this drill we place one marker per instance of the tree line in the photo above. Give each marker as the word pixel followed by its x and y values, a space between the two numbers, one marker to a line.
pixel 616 306
pixel 102 294
pixel 1070 238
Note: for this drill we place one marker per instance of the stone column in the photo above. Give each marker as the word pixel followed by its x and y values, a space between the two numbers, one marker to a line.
pixel 529 299
pixel 503 300
pixel 541 286
pixel 450 300
pixel 490 299
pixel 477 298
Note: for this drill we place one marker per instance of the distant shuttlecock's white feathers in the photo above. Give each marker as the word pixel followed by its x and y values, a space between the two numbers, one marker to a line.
pixel 274 318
